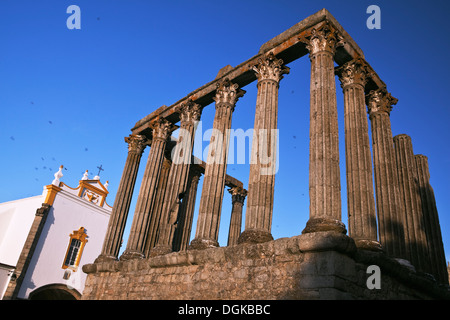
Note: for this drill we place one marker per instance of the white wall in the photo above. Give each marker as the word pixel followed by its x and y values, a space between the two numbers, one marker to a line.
pixel 16 218
pixel 67 214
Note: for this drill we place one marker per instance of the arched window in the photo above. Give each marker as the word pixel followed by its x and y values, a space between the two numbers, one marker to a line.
pixel 78 240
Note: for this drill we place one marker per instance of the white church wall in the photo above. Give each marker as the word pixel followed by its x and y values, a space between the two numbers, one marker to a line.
pixel 68 213
pixel 16 218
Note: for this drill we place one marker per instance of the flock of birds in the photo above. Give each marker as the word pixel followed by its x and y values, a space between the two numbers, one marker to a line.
pixel 46 167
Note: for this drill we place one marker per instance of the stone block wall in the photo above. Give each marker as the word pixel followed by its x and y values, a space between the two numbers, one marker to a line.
pixel 322 265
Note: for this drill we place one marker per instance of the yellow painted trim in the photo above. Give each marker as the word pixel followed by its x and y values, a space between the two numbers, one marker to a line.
pixel 84 183
pixel 63 184
pixel 52 190
pixel 87 185
pixel 80 235
pixel 102 193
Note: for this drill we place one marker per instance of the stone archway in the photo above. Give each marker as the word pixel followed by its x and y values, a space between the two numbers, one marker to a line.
pixel 54 292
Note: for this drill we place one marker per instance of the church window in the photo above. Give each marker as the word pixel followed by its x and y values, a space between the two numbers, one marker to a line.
pixel 78 240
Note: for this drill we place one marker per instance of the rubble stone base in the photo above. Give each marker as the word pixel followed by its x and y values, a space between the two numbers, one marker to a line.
pixel 321 265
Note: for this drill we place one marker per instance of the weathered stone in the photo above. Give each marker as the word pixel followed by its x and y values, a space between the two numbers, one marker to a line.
pixel 119 214
pixel 322 262
pixel 324 172
pixel 389 208
pixel 147 194
pixel 328 268
pixel 184 224
pixel 263 163
pixel 238 195
pixel 415 237
pixel 207 232
pixel 431 220
pixel 153 227
pixel 360 196
pixel 178 178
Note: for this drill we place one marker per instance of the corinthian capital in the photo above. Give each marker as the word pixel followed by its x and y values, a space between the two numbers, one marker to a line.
pixel 190 112
pixel 237 194
pixel 355 71
pixel 162 129
pixel 324 38
pixel 379 101
pixel 136 143
pixel 227 93
pixel 270 68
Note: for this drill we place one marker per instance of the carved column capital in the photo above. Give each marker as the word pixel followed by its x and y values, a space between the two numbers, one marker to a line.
pixel 379 101
pixel 189 112
pixel 162 129
pixel 136 143
pixel 227 94
pixel 324 38
pixel 238 194
pixel 270 68
pixel 353 72
pixel 195 172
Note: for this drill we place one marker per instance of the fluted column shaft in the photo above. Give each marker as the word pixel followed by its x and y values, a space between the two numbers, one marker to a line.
pixel 263 162
pixel 147 194
pixel 324 175
pixel 208 221
pixel 153 227
pixel 379 103
pixel 362 222
pixel 184 226
pixel 237 197
pixel 414 229
pixel 178 177
pixel 119 214
pixel 431 220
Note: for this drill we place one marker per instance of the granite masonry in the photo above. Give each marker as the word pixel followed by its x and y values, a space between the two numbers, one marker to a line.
pixel 393 246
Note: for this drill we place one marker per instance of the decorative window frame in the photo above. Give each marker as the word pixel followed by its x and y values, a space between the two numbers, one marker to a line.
pixel 81 236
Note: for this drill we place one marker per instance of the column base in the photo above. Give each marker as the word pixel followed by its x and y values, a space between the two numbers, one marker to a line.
pixel 201 244
pixel 131 255
pixel 255 236
pixel 324 224
pixel 160 250
pixel 105 258
pixel 370 245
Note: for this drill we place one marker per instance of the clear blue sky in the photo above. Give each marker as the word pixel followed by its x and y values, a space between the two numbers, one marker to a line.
pixel 70 96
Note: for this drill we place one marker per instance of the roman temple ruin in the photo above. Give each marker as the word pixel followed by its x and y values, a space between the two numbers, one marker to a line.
pixel 392 216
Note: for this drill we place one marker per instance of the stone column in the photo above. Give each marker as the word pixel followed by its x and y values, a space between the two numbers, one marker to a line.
pixel 448 271
pixel 379 103
pixel 415 238
pixel 324 175
pixel 178 177
pixel 237 197
pixel 208 221
pixel 436 253
pixel 263 162
pixel 184 225
pixel 147 194
pixel 119 214
pixel 362 221
pixel 153 228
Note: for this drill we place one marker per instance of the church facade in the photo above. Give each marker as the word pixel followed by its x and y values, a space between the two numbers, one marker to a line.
pixel 44 240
